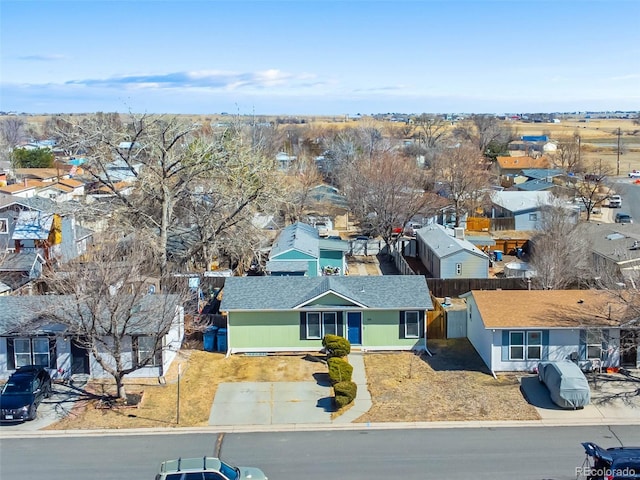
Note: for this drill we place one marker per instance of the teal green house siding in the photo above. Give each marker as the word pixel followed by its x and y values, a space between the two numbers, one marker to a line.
pixel 281 314
pixel 293 255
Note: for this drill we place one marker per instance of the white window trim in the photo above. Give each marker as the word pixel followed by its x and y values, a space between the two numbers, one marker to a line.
pixel 533 217
pixel 539 345
pixel 141 355
pixel 313 337
pixel 590 343
pixel 4 226
pixel 416 322
pixel 31 353
pixel 325 316
pixel 523 344
pixel 458 269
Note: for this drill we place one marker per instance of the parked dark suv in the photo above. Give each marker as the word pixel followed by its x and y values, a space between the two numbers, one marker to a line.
pixel 23 392
pixel 617 463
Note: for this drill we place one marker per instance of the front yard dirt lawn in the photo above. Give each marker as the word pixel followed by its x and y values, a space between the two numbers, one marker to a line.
pixel 202 372
pixel 452 385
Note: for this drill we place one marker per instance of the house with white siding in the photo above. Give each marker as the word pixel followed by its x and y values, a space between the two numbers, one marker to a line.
pixel 447 254
pixel 525 207
pixel 513 330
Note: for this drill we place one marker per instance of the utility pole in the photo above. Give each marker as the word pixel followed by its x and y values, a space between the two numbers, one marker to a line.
pixel 618 169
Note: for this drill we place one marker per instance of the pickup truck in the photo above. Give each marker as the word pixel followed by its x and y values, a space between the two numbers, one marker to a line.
pixel 615 201
pixel 634 174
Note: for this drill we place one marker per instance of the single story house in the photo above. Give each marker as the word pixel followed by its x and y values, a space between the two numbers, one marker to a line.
pixel 506 166
pixel 447 254
pixel 293 314
pixel 615 247
pixel 525 207
pixel 41 225
pixel 299 251
pixel 18 269
pixel 513 330
pixel 30 334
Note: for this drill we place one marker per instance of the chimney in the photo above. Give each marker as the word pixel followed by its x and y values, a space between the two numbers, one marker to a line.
pixel 458 232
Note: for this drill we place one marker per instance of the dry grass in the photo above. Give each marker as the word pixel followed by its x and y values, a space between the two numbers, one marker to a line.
pixel 451 385
pixel 202 372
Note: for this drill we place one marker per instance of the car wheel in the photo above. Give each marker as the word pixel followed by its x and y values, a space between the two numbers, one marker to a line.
pixel 48 392
pixel 33 412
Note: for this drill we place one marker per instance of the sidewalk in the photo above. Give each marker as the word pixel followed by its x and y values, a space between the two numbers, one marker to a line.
pixel 362 403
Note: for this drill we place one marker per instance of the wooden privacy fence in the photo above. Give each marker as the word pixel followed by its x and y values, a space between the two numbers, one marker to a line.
pixel 478 224
pixel 452 287
pixel 506 223
pixel 436 323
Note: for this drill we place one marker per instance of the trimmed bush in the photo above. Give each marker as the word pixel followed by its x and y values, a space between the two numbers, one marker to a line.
pixel 345 393
pixel 339 370
pixel 336 346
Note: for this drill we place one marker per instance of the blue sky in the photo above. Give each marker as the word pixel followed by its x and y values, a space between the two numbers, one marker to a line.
pixel 325 58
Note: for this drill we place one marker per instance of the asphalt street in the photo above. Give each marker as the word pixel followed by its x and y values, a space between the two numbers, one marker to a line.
pixel 522 453
pixel 630 193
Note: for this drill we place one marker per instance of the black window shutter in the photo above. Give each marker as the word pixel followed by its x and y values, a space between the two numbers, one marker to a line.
pixel 53 358
pixel 11 357
pixel 340 324
pixel 421 323
pixel 402 329
pixel 303 326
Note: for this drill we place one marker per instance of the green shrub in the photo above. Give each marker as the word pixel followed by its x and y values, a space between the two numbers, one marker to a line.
pixel 336 346
pixel 345 393
pixel 339 370
pixel 341 401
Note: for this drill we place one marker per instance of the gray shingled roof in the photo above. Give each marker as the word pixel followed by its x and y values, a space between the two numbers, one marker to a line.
pixel 392 292
pixel 298 236
pixel 613 240
pixel 287 266
pixel 441 241
pixel 40 310
pixel 19 262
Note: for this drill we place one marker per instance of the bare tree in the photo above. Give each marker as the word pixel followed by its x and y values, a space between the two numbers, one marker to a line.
pixel 558 251
pixel 568 157
pixel 299 185
pixel 169 158
pixel 590 188
pixel 385 193
pixel 483 130
pixel 430 130
pixel 12 131
pixel 107 308
pixel 459 174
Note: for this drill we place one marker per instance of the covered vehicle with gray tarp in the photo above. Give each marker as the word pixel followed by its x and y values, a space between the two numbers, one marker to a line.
pixel 568 387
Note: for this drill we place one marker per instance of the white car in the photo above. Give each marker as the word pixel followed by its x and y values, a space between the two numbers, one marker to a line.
pixel 634 174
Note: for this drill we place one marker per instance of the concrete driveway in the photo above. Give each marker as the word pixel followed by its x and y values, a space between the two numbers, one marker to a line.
pixel 613 397
pixel 52 409
pixel 271 403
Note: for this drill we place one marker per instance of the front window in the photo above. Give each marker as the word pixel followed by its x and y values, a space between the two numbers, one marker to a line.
pixel 534 345
pixel 330 323
pixel 4 227
pixel 458 269
pixel 146 352
pixel 320 324
pixel 411 325
pixel 31 351
pixel 533 217
pixel 594 345
pixel 314 329
pixel 516 345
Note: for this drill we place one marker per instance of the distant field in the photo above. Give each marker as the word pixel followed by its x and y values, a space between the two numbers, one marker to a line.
pixel 598 136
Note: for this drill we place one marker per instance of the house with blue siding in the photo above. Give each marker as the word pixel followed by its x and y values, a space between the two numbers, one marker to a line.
pixel 299 251
pixel 447 254
pixel 513 330
pixel 525 207
pixel 287 314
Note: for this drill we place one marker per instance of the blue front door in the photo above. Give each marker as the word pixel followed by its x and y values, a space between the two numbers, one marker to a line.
pixel 354 328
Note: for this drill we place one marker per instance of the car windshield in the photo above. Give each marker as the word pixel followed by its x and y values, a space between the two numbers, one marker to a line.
pixel 16 387
pixel 229 472
pixel 194 476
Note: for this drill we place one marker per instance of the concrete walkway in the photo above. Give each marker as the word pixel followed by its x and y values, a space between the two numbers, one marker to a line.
pixel 362 403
